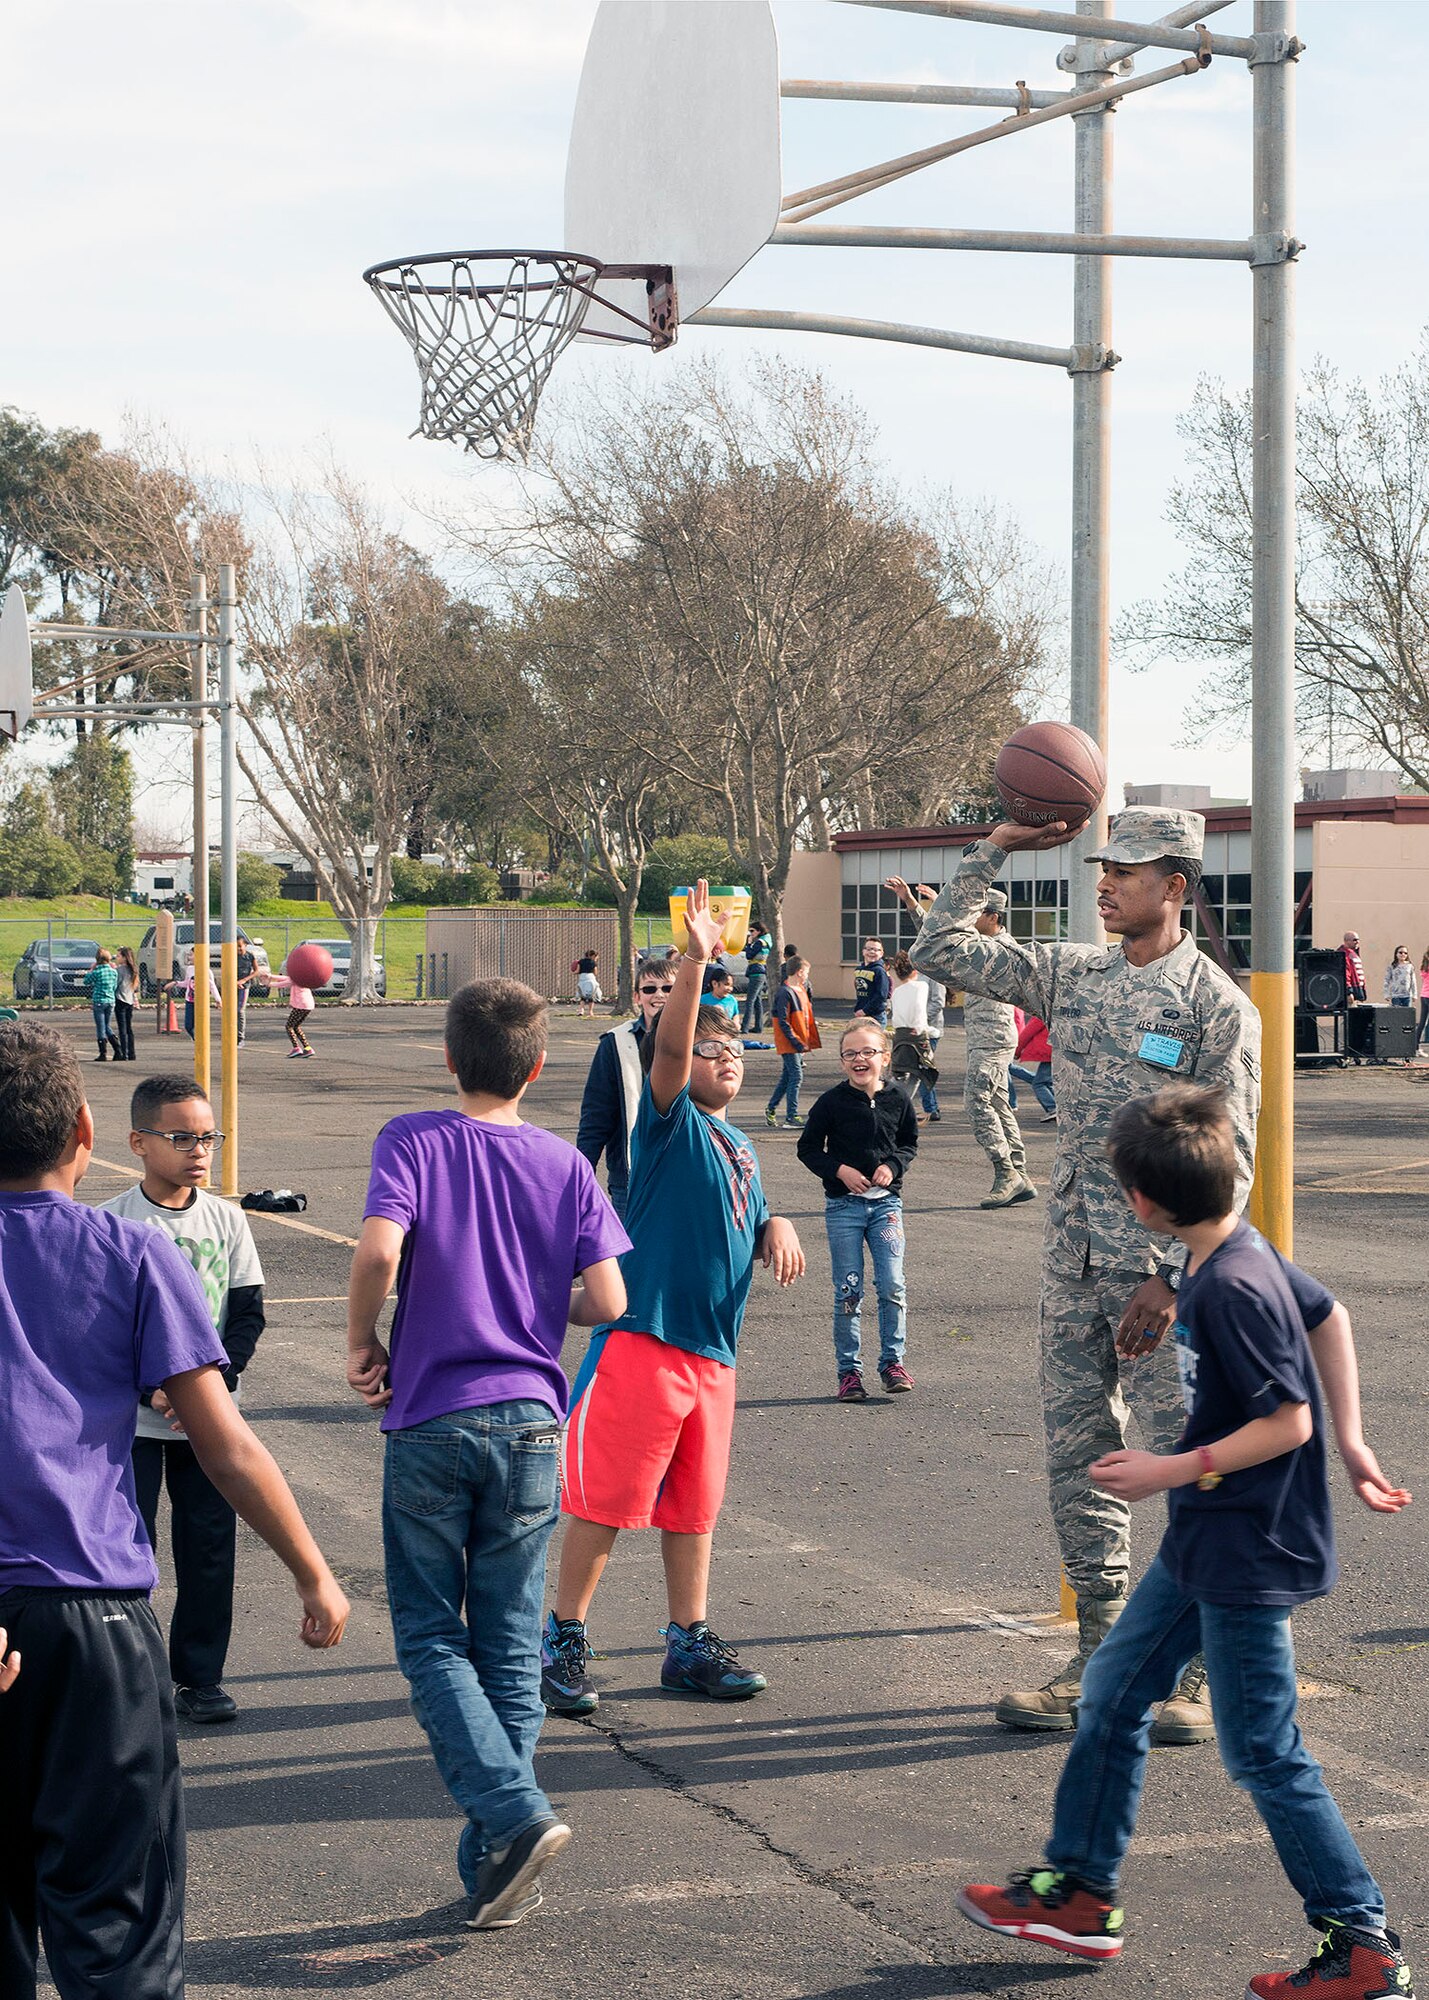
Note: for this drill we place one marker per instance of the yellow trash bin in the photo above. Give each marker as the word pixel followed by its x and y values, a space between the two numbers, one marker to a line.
pixel 731 906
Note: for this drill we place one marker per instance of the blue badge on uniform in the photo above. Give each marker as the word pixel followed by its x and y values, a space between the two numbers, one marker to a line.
pixel 1163 1050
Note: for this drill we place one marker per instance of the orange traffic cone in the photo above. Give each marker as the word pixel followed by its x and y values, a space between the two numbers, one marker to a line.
pixel 171 1026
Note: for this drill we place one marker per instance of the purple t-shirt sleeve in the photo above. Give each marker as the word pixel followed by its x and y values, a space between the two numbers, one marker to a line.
pixel 173 1329
pixel 392 1183
pixel 601 1233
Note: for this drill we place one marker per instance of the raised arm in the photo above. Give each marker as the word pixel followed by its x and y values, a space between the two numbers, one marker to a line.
pixel 951 948
pixel 675 1039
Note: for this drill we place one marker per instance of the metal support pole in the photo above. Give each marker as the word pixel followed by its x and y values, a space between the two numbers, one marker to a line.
pixel 882 329
pixel 1135 34
pixel 921 93
pixel 1090 638
pixel 1273 753
pixel 203 1070
pixel 228 869
pixel 1040 242
pixel 1112 54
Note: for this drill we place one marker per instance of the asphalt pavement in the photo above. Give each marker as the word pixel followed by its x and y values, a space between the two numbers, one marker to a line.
pixel 889 1566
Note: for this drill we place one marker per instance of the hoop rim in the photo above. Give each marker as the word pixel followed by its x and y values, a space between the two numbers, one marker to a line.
pixel 376 274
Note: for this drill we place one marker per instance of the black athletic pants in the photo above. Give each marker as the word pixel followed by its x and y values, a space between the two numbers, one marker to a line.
pixel 202 1530
pixel 91 1814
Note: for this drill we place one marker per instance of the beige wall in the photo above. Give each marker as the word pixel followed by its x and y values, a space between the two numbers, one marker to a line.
pixel 1373 879
pixel 811 921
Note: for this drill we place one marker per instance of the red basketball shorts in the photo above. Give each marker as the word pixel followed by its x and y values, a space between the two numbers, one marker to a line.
pixel 647 1445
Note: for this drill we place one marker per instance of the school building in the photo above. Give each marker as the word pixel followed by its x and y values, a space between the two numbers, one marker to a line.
pixel 1361 864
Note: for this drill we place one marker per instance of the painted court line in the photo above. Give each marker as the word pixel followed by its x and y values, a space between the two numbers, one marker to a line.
pixel 254 1214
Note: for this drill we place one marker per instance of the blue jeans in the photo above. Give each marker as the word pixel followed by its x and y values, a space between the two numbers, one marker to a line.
pixel 468 1505
pixel 851 1222
pixel 103 1012
pixel 1039 1078
pixel 790 1077
pixel 1250 1659
pixel 754 998
pixel 928 1092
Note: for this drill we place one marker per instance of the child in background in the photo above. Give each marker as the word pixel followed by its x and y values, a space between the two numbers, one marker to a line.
pixel 653 1411
pixel 1032 1065
pixel 587 971
pixel 173 1137
pixel 94 1313
pixel 860 1139
pixel 101 983
pixel 795 1033
pixel 300 1006
pixel 871 988
pixel 1249 1536
pixel 187 985
pixel 489 1221
pixel 912 1050
pixel 721 992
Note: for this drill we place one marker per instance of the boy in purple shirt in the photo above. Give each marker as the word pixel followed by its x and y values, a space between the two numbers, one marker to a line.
pixel 96 1311
pixel 482 1221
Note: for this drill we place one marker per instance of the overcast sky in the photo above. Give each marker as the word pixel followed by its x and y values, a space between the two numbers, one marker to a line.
pixel 204 182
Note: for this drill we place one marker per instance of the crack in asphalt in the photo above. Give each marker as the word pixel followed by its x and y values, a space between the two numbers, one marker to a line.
pixel 675 1781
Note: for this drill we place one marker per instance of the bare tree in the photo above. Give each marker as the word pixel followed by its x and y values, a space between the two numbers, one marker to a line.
pixel 347 630
pixel 819 646
pixel 1362 577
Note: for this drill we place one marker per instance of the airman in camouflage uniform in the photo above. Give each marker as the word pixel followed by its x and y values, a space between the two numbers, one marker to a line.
pixel 992 1043
pixel 1123 1019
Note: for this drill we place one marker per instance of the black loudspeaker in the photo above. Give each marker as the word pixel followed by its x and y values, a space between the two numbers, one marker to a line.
pixel 1383 1033
pixel 1322 982
pixel 1307 1032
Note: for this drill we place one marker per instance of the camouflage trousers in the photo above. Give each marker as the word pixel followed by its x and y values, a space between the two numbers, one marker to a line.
pixel 990 1114
pixel 1088 1394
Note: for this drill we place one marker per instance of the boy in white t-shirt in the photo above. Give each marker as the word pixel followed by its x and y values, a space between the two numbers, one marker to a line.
pixel 173 1135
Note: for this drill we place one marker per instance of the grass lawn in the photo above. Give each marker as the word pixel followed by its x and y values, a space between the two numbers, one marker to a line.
pixel 279 924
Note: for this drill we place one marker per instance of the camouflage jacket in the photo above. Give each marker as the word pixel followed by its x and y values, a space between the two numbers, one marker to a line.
pixel 1102 1014
pixel 991 1027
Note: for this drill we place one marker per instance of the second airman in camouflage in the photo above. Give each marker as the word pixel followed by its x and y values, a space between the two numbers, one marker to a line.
pixel 991 1027
pixel 1123 1019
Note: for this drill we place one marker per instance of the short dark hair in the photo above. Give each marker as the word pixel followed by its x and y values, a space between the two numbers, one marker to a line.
pixel 721 972
pixel 1177 1147
pixel 794 964
pixel 791 951
pixel 41 1097
pixel 1179 864
pixel 708 1021
pixel 155 1092
pixel 495 1034
pixel 903 965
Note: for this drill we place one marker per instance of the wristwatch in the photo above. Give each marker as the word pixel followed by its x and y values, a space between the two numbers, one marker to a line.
pixel 1171 1276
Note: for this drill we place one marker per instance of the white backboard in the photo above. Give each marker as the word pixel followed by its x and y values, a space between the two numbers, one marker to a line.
pixel 674 153
pixel 17 680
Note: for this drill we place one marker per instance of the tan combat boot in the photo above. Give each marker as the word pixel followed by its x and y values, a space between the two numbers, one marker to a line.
pixel 1006 1188
pixel 1186 1718
pixel 1055 1705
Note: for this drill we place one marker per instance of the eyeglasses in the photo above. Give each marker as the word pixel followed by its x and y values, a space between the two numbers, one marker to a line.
pixel 649 992
pixel 861 1055
pixel 713 1050
pixel 188 1142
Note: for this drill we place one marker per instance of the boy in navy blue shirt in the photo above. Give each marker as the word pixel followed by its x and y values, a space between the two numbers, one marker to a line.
pixel 652 1410
pixel 1249 1536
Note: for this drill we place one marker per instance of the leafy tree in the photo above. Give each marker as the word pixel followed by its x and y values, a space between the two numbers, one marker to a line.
pixel 673 864
pixel 257 880
pixel 93 797
pixel 35 858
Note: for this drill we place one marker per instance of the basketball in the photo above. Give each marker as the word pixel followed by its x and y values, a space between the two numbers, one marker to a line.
pixel 1050 771
pixel 309 965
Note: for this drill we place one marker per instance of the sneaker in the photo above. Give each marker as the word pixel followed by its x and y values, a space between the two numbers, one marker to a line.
pixel 566 1688
pixel 1346 1965
pixel 770 1120
pixel 851 1389
pixel 896 1380
pixel 207 1704
pixel 295 1054
pixel 1048 1118
pixel 532 1900
pixel 508 1874
pixel 935 1117
pixel 1046 1907
pixel 309 1052
pixel 697 1662
pixel 793 1124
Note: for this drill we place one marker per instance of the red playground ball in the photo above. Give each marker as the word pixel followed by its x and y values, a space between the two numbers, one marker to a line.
pixel 310 965
pixel 1050 771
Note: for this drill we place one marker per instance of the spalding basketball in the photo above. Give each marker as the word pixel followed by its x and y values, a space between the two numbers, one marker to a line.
pixel 310 965
pixel 1050 771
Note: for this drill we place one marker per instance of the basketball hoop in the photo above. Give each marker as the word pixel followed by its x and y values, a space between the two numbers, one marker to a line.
pixel 486 327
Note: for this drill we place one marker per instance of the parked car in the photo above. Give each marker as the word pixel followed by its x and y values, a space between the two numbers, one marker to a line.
pixel 151 977
pixel 53 966
pixel 341 949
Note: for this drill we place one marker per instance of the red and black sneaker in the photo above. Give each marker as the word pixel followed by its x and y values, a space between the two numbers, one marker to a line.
pixel 1347 1965
pixel 1049 1908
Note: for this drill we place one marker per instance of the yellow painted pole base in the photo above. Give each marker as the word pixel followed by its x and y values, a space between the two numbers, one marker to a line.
pixel 1272 1198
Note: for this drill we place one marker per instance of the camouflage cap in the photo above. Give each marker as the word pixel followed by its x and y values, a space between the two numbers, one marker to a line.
pixel 995 902
pixel 1146 833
